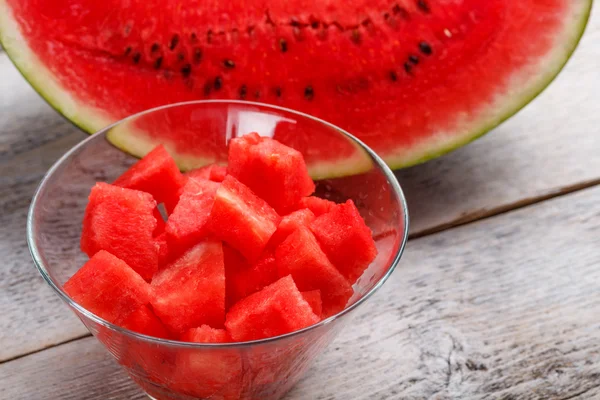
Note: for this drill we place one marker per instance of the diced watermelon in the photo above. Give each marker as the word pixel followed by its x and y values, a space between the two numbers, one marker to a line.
pixel 317 205
pixel 313 298
pixel 205 334
pixel 300 256
pixel 212 172
pixel 289 224
pixel 163 249
pixel 275 310
pixel 144 321
pixel 108 287
pixel 346 239
pixel 160 223
pixel 187 225
pixel 191 291
pixel 242 219
pixel 243 278
pixel 121 221
pixel 275 172
pixel 156 174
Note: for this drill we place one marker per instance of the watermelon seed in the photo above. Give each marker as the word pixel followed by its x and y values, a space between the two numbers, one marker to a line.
pixel 174 42
pixel 425 48
pixel 186 70
pixel 207 88
pixel 278 91
pixel 413 59
pixel 355 36
pixel 218 83
pixel 257 94
pixel 397 10
pixel 158 62
pixel 127 50
pixel 193 37
pixel 393 76
pixel 283 45
pixel 309 93
pixel 197 55
pixel 243 92
pixel 315 24
pixel 136 57
pixel 180 57
pixel 408 67
pixel 295 23
pixel 228 64
pixel 423 6
pixel 155 47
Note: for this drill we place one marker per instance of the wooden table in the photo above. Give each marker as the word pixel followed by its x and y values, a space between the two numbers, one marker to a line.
pixel 497 296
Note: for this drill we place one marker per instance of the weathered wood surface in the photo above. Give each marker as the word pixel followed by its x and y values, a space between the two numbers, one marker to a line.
pixel 505 308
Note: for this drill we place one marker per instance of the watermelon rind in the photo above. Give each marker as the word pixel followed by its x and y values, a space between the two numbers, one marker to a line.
pixel 523 88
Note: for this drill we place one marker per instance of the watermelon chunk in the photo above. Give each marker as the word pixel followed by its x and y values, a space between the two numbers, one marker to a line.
pixel 313 298
pixel 275 172
pixel 275 310
pixel 191 291
pixel 289 224
pixel 317 205
pixel 346 239
pixel 187 225
pixel 301 257
pixel 144 321
pixel 156 174
pixel 121 221
pixel 205 334
pixel 242 219
pixel 243 278
pixel 108 287
pixel 212 172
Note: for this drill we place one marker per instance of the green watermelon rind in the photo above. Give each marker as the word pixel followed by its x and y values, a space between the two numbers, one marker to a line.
pixel 91 120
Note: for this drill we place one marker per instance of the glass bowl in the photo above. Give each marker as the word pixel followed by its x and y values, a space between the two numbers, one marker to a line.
pixel 171 370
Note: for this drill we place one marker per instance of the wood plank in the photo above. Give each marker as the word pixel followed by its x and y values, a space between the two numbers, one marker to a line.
pixel 505 308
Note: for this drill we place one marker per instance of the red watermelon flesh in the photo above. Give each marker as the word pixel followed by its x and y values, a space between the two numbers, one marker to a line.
pixel 191 291
pixel 275 172
pixel 289 224
pixel 413 79
pixel 121 221
pixel 144 321
pixel 156 174
pixel 242 219
pixel 313 298
pixel 301 257
pixel 275 310
pixel 213 172
pixel 108 287
pixel 346 239
pixel 317 205
pixel 187 225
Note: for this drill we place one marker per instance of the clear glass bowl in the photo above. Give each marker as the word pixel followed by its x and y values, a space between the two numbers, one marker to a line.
pixel 171 370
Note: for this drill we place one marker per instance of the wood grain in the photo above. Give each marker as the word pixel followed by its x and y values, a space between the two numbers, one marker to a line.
pixel 505 308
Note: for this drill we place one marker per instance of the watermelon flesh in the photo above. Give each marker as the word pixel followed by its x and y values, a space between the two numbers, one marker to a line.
pixel 213 172
pixel 289 224
pixel 313 298
pixel 317 205
pixel 144 321
pixel 413 79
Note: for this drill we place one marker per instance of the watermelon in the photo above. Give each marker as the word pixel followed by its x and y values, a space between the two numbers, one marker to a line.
pixel 275 172
pixel 275 310
pixel 191 291
pixel 289 224
pixel 144 321
pixel 108 287
pixel 163 249
pixel 413 79
pixel 313 298
pixel 213 172
pixel 317 205
pixel 122 222
pixel 242 219
pixel 301 257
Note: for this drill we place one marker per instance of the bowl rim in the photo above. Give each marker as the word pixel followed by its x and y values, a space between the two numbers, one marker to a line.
pixel 40 265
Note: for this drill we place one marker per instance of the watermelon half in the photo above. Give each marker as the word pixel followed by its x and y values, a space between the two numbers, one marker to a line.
pixel 412 78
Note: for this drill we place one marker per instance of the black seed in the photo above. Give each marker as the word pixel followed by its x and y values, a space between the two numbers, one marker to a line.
pixel 136 57
pixel 408 67
pixel 309 93
pixel 425 48
pixel 257 94
pixel 393 76
pixel 315 24
pixel 186 70
pixel 155 47
pixel 386 16
pixel 207 88
pixel 355 36
pixel 423 6
pixel 278 91
pixel 228 64
pixel 193 37
pixel 174 42
pixel 243 92
pixel 295 23
pixel 128 50
pixel 283 45
pixel 397 10
pixel 197 56
pixel 218 83
pixel 180 57
pixel 413 59
pixel 366 22
pixel 158 62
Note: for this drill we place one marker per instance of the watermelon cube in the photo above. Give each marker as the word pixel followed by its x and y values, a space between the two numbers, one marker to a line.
pixel 212 172
pixel 191 291
pixel 121 221
pixel 275 310
pixel 301 257
pixel 317 205
pixel 289 224
pixel 243 278
pixel 108 287
pixel 187 225
pixel 205 334
pixel 242 219
pixel 144 321
pixel 346 240
pixel 275 172
pixel 313 298
pixel 156 174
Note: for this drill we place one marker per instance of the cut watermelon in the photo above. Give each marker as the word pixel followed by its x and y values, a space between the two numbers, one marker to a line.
pixel 144 321
pixel 275 172
pixel 289 224
pixel 121 221
pixel 277 309
pixel 346 240
pixel 301 256
pixel 108 287
pixel 413 79
pixel 191 291
pixel 313 298
pixel 156 174
pixel 243 220
pixel 317 205
pixel 213 172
